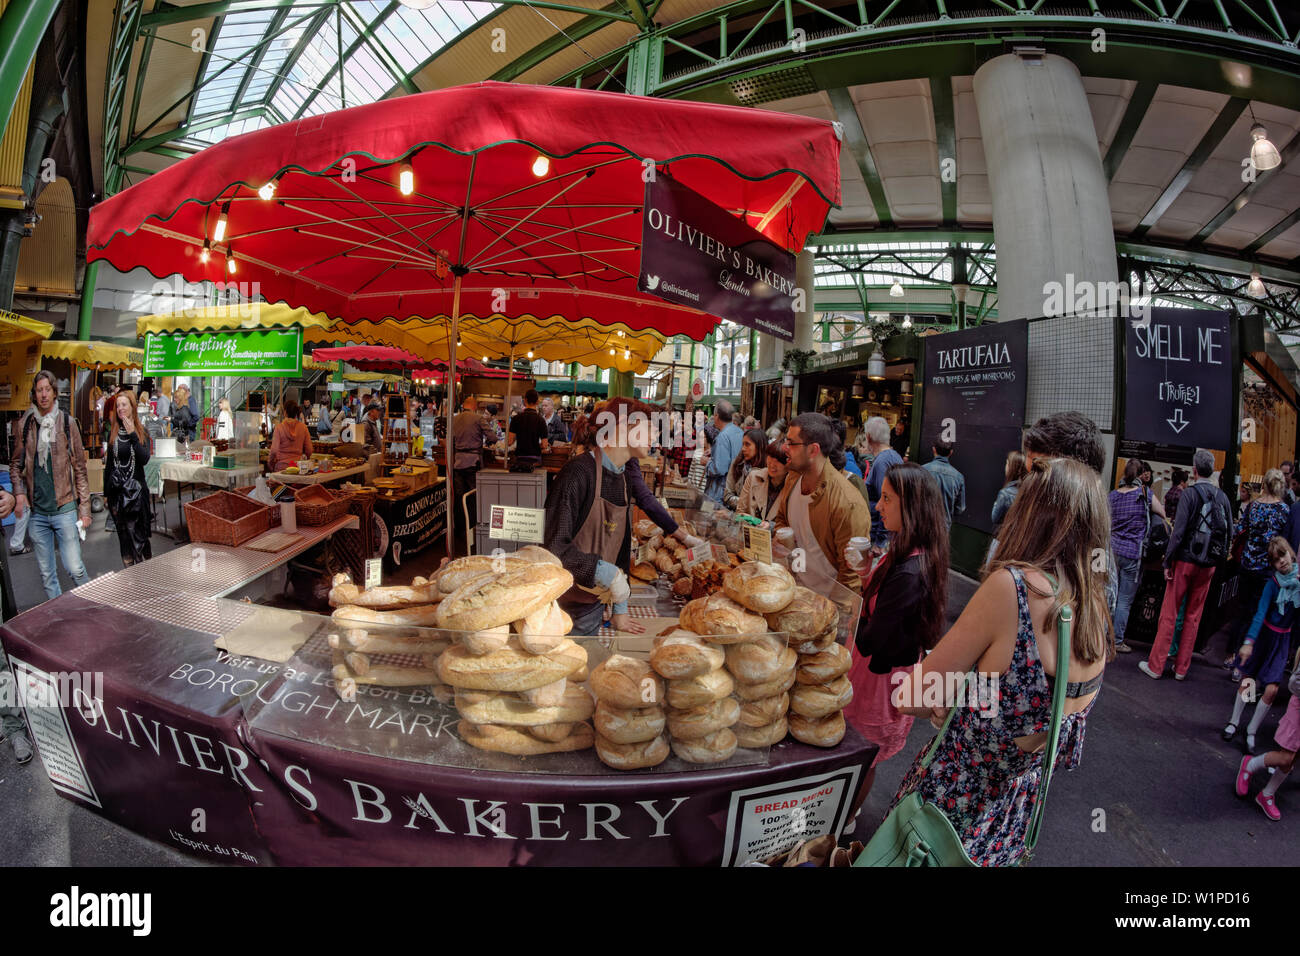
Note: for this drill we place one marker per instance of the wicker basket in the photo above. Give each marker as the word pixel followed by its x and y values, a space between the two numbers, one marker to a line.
pixel 247 490
pixel 226 518
pixel 320 511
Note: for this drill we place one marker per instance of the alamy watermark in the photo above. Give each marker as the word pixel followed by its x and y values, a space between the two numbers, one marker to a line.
pixel 979 691
pixel 1083 297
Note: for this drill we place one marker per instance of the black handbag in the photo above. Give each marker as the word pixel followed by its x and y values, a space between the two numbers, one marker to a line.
pixel 1156 541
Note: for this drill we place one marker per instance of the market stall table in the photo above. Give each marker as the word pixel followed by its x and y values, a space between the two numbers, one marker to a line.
pixel 318 478
pixel 193 474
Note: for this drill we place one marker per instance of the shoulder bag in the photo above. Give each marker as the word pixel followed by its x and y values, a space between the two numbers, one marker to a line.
pixel 917 833
pixel 1156 541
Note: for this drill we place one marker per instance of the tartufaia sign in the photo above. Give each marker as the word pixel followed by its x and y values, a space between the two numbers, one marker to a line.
pixel 695 253
pixel 1178 389
pixel 275 353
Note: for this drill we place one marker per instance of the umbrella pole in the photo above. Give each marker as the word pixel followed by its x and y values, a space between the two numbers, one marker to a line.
pixel 510 378
pixel 451 413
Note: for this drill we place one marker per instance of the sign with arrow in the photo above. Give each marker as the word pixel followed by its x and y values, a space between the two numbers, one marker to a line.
pixel 1178 390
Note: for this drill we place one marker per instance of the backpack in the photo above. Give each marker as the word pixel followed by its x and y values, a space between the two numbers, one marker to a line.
pixel 1156 540
pixel 1208 544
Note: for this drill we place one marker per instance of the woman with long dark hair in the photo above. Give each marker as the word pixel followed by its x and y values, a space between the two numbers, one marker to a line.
pixel 763 487
pixel 904 604
pixel 129 501
pixel 753 454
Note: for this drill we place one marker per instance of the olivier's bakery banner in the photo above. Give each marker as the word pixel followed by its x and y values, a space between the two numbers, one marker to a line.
pixel 974 399
pixel 695 253
pixel 1178 390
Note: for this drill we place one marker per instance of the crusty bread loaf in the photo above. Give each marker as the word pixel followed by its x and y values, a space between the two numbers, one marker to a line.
pixel 543 630
pixel 507 709
pixel 634 755
pixel 756 713
pixel 703 720
pixel 761 587
pixel 682 587
pixel 551 733
pixel 518 741
pixel 765 735
pixel 485 641
pixel 645 529
pixel 645 571
pixel 720 620
pixel 343 591
pixel 424 615
pixel 548 695
pixel 814 645
pixel 761 659
pixel 819 700
pixel 682 655
pixel 714 748
pixel 535 554
pixel 510 668
pixel 628 726
pixel 818 731
pixel 508 597
pixel 769 688
pixel 704 689
pixel 824 666
pixel 626 682
pixel 452 575
pixel 808 614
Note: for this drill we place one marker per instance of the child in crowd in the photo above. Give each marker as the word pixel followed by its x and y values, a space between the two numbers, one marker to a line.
pixel 1288 742
pixel 1263 655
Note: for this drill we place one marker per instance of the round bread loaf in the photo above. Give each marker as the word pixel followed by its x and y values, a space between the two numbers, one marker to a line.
pixel 703 720
pixel 704 689
pixel 551 733
pixel 682 655
pixel 720 620
pixel 548 695
pixel 824 666
pixel 819 700
pixel 509 596
pixel 626 682
pixel 628 726
pixel 645 529
pixel 808 613
pixel 682 587
pixel 511 667
pixel 769 688
pixel 818 731
pixel 715 748
pixel 517 741
pixel 485 641
pixel 632 756
pixel 645 571
pixel 757 713
pixel 815 645
pixel 761 659
pixel 536 555
pixel 765 588
pixel 765 735
pixel 543 630
pixel 482 707
pixel 454 574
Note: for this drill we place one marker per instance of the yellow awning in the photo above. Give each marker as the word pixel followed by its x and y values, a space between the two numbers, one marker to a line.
pixel 310 363
pixel 102 356
pixel 223 318
pixel 20 358
pixel 372 377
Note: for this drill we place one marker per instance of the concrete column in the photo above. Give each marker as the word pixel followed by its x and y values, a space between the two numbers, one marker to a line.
pixel 1051 212
pixel 805 321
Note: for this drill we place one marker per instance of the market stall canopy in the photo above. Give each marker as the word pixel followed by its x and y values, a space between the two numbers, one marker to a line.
pixel 20 342
pixel 382 358
pixel 245 316
pixel 101 356
pixel 314 365
pixel 371 213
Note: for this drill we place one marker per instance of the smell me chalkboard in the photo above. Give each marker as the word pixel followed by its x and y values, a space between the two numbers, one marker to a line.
pixel 1178 388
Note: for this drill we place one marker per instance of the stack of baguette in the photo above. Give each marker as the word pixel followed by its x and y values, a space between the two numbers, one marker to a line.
pixel 701 708
pixel 822 688
pixel 629 714
pixel 517 678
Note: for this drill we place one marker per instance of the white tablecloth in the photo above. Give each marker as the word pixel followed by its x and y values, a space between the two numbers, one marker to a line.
pixel 195 473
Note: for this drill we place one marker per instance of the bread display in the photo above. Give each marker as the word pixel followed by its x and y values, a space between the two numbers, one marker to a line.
pixel 509 596
pixel 818 731
pixel 548 695
pixel 487 640
pixel 821 700
pixel 703 720
pixel 509 668
pixel 713 748
pixel 824 666
pixel 424 615
pixel 544 629
pixel 518 741
pixel 760 660
pixel 770 688
pixel 682 655
pixel 814 645
pixel 356 639
pixel 634 755
pixel 486 707
pixel 705 689
pixel 720 620
pixel 758 713
pixel 628 726
pixel 764 588
pixel 551 733
pixel 764 735
pixel 420 591
pixel 627 682
pixel 455 573
pixel 806 614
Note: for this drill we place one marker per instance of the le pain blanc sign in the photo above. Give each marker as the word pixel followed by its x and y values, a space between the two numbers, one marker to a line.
pixel 275 353
pixel 695 253
pixel 1178 387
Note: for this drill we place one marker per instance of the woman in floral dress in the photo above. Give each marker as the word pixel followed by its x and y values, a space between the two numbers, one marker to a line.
pixel 985 771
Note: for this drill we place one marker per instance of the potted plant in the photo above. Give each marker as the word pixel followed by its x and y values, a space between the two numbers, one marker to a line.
pixel 794 362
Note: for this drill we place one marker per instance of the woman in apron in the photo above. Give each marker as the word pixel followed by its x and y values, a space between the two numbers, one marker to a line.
pixel 588 517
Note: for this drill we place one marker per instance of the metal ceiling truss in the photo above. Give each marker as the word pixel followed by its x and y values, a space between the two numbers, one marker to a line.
pixel 1188 284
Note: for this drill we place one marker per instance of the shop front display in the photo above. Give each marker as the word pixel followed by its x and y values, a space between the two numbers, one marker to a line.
pixel 410 520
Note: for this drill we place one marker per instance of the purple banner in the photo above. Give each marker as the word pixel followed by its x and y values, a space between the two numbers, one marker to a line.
pixel 695 253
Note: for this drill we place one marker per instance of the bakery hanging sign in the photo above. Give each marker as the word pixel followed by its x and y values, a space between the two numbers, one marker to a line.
pixel 1178 388
pixel 695 253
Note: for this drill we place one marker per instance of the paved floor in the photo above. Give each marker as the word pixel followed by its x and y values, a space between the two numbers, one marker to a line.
pixel 1154 787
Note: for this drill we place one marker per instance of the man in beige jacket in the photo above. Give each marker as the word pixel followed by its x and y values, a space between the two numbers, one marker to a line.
pixel 820 505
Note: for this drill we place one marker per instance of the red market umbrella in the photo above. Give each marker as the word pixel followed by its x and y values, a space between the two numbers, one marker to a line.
pixel 493 198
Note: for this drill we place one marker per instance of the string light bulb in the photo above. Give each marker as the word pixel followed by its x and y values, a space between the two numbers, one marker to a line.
pixel 627 353
pixel 267 191
pixel 541 166
pixel 406 179
pixel 206 252
pixel 230 265
pixel 219 232
pixel 530 353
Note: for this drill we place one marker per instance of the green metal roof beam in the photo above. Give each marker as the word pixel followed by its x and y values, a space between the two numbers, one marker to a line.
pixel 379 50
pixel 945 131
pixel 167 14
pixel 359 42
pixel 855 140
pixel 1134 113
pixel 148 143
pixel 140 73
pixel 210 42
pixel 640 14
pixel 1211 141
pixel 255 63
pixel 1286 223
pixel 545 50
pixel 317 21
